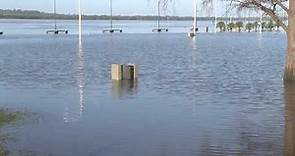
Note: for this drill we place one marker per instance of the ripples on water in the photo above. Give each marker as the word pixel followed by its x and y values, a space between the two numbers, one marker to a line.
pixel 221 94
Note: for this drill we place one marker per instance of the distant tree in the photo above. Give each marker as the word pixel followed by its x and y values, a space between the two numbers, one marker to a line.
pixel 221 25
pixel 256 26
pixel 277 26
pixel 270 26
pixel 249 26
pixel 231 26
pixel 263 26
pixel 239 26
pixel 273 9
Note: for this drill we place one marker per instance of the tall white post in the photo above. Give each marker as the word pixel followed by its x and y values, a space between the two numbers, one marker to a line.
pixel 54 10
pixel 215 16
pixel 159 15
pixel 81 64
pixel 111 13
pixel 195 16
pixel 80 21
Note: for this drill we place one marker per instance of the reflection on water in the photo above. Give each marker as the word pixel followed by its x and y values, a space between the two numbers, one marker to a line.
pixel 195 53
pixel 72 112
pixel 124 88
pixel 290 119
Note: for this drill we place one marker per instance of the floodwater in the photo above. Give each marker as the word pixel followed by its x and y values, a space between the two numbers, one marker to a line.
pixel 90 27
pixel 220 94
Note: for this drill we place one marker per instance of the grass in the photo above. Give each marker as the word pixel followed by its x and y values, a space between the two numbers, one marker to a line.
pixel 7 117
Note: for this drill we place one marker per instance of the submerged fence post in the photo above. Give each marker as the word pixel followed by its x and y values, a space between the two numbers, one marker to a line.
pixel 130 72
pixel 117 72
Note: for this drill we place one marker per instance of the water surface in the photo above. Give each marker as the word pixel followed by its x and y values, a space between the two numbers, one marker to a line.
pixel 38 27
pixel 221 94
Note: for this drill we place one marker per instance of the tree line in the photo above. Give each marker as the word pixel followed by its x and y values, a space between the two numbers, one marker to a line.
pixel 34 14
pixel 249 27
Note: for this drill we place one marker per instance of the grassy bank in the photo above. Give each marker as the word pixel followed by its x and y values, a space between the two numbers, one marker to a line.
pixel 7 117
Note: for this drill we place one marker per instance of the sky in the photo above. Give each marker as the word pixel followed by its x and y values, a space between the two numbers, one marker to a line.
pixel 101 7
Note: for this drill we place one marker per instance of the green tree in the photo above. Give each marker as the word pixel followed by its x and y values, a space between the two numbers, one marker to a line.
pixel 263 26
pixel 231 26
pixel 270 26
pixel 277 26
pixel 239 26
pixel 249 26
pixel 273 9
pixel 7 117
pixel 221 25
pixel 256 25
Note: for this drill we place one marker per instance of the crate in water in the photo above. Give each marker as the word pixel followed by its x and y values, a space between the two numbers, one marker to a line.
pixel 124 72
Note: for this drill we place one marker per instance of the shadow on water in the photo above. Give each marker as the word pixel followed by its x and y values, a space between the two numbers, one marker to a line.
pixel 124 88
pixel 289 137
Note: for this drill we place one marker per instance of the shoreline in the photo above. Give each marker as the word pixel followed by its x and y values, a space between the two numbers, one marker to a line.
pixel 35 14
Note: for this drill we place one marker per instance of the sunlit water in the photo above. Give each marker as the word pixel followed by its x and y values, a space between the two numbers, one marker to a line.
pixel 221 94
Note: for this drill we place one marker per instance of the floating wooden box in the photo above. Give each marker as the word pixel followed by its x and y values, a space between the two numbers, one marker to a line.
pixel 124 72
pixel 117 72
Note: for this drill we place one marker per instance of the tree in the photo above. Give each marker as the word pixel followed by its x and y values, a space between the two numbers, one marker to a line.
pixel 249 26
pixel 290 60
pixel 256 26
pixel 231 26
pixel 289 141
pixel 239 25
pixel 277 26
pixel 270 26
pixel 263 26
pixel 221 26
pixel 272 8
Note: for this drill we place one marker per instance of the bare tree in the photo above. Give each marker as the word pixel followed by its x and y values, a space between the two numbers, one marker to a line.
pixel 272 8
pixel 290 60
pixel 164 3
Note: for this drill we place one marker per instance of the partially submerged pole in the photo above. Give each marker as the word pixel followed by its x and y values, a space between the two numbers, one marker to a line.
pixel 80 21
pixel 111 13
pixel 193 31
pixel 159 15
pixel 195 16
pixel 55 30
pixel 54 10
pixel 111 29
pixel 159 28
pixel 215 18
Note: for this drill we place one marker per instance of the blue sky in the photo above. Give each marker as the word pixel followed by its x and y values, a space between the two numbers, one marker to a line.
pixel 123 7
